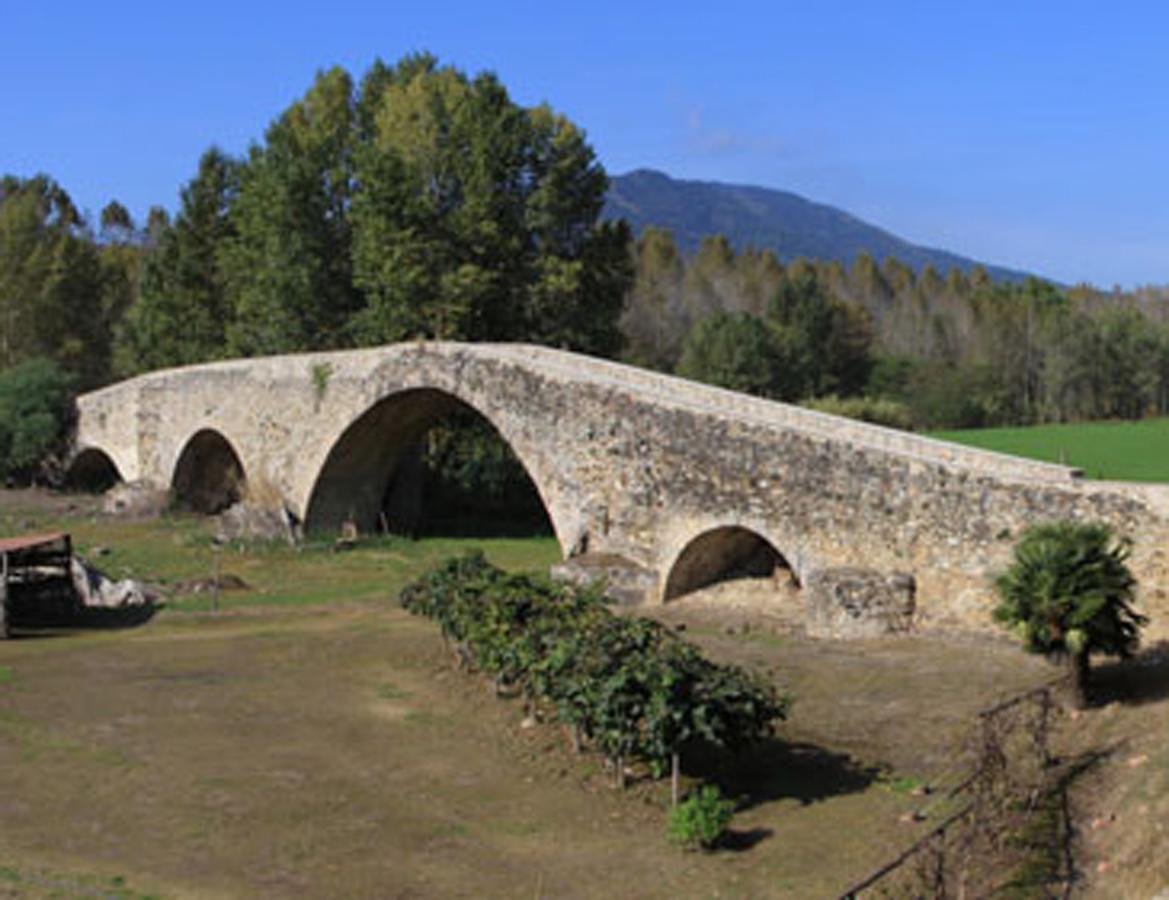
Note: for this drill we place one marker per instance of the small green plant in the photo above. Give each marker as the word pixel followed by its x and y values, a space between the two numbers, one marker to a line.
pixel 903 784
pixel 321 373
pixel 391 692
pixel 701 819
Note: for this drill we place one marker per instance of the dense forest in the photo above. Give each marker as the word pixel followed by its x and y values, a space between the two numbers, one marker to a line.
pixel 914 349
pixel 421 202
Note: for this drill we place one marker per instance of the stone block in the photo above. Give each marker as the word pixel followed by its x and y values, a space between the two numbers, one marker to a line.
pixel 625 581
pixel 852 602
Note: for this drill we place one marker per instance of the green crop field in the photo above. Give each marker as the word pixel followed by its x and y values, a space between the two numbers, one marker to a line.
pixel 1120 451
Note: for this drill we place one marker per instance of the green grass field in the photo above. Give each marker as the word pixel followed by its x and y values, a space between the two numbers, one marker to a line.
pixel 1117 451
pixel 176 551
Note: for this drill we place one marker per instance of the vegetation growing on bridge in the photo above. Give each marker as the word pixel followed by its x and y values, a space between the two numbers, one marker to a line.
pixel 628 686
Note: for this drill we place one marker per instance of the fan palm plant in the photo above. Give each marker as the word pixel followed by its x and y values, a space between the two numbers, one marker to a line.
pixel 1069 593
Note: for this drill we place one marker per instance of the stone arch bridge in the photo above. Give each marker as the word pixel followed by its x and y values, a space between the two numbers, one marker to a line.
pixel 669 482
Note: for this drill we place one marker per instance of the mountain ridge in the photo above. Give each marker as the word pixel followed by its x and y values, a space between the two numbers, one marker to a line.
pixel 768 219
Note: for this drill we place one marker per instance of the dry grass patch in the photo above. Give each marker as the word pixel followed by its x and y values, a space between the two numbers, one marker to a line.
pixel 312 739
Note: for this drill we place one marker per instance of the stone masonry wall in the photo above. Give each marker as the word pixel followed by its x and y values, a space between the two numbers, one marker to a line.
pixel 629 462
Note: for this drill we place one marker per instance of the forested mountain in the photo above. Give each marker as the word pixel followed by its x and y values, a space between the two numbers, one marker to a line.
pixel 787 224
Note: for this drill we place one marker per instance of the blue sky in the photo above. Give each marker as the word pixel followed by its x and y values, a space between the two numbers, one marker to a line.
pixel 1033 135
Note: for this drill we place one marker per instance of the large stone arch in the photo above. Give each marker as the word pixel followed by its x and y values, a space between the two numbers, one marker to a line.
pixel 208 475
pixel 721 552
pixel 92 470
pixel 352 482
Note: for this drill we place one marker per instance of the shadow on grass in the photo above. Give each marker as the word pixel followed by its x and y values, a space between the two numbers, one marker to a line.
pixel 62 623
pixel 779 770
pixel 1137 681
pixel 740 840
pixel 483 527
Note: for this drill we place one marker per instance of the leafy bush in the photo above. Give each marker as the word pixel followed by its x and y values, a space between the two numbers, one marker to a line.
pixel 36 412
pixel 627 685
pixel 877 410
pixel 701 819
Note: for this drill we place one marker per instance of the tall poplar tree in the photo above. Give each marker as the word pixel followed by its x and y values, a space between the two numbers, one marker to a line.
pixel 476 219
pixel 287 264
pixel 50 281
pixel 182 310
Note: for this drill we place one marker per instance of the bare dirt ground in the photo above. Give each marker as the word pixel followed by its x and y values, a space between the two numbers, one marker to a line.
pixel 335 753
pixel 328 749
pixel 1120 805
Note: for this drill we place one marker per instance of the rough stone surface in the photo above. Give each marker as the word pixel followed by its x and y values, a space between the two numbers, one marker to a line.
pixel 251 522
pixel 135 500
pixel 624 580
pixel 857 603
pixel 627 462
pixel 97 591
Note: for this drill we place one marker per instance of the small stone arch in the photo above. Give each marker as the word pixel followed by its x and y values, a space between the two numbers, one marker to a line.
pixel 208 477
pixel 376 447
pixel 92 471
pixel 721 554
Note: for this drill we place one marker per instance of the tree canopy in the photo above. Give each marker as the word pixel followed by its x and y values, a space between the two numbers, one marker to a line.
pixel 50 281
pixel 183 309
pixel 417 202
pixel 477 219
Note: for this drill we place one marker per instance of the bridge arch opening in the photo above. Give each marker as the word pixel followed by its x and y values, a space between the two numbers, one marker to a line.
pixel 727 553
pixel 208 476
pixel 92 472
pixel 424 462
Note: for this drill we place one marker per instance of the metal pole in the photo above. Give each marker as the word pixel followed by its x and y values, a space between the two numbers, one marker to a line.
pixel 215 580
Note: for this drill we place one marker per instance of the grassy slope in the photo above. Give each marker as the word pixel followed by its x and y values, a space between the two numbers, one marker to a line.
pixel 1120 451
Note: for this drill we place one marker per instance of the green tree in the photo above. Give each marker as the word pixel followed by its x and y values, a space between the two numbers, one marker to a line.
pixel 823 341
pixel 867 282
pixel 182 312
pixel 36 409
pixel 287 262
pixel 476 219
pixel 709 284
pixel 1129 363
pixel 121 252
pixel 653 322
pixel 50 281
pixel 117 225
pixel 731 350
pixel 1069 593
pixel 157 225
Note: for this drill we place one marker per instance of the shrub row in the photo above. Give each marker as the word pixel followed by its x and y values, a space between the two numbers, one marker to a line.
pixel 627 686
